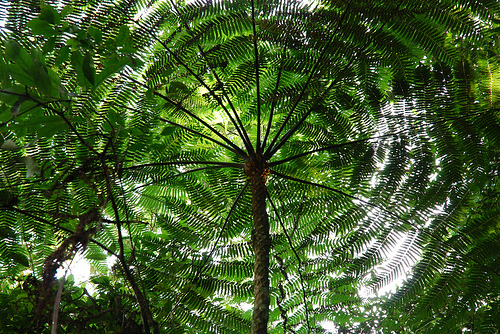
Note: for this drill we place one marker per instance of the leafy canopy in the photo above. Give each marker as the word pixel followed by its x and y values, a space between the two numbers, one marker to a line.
pixel 127 125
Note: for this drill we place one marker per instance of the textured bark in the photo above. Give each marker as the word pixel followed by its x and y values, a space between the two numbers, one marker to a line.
pixel 257 171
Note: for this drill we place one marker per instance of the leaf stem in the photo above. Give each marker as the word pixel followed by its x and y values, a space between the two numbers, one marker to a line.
pixel 169 163
pixel 236 149
pixel 311 74
pixel 390 213
pixel 257 77
pixel 241 132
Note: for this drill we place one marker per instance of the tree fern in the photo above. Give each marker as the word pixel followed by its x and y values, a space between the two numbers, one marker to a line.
pixel 218 145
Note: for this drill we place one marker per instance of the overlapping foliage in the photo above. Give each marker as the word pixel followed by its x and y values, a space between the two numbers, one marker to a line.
pixel 126 126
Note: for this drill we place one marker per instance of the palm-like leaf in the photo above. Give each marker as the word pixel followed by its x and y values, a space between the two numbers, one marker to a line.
pixel 326 137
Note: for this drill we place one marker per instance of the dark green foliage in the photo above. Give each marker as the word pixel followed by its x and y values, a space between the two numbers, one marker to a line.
pixel 125 127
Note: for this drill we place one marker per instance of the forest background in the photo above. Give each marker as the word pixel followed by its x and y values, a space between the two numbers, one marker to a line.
pixel 250 166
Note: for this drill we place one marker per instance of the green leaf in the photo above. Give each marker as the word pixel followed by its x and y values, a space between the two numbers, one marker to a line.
pixel 88 67
pixel 20 75
pixel 96 34
pixel 41 27
pixel 77 63
pixel 111 67
pixel 96 256
pixel 128 49
pixel 7 198
pixel 177 87
pixel 66 10
pixel 50 45
pixel 17 54
pixel 5 231
pixel 42 79
pixel 19 258
pixel 101 280
pixel 45 125
pixel 123 35
pixel 50 128
pixel 150 93
pixel 49 14
pixel 62 55
pixel 115 118
pixel 168 130
pixel 15 108
pixel 11 95
pixel 3 70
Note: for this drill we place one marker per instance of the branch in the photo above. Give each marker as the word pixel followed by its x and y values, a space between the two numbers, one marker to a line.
pixel 41 220
pixel 224 226
pixel 390 213
pixel 313 72
pixel 330 147
pixel 243 134
pixel 219 83
pixel 273 105
pixel 199 134
pixel 236 149
pixel 147 316
pixel 175 175
pixel 71 126
pixel 169 163
pixel 273 149
pixel 25 111
pixel 170 314
pixel 257 76
pixel 187 129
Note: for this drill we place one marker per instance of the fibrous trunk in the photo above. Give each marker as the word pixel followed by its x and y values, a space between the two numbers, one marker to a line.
pixel 257 171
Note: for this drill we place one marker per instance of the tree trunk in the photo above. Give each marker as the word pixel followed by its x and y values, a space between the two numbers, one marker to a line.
pixel 257 173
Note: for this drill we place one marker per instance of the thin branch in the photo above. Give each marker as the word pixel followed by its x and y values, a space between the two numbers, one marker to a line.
pixel 304 295
pixel 312 73
pixel 224 226
pixel 236 149
pixel 146 314
pixel 200 271
pixel 57 304
pixel 127 218
pixel 184 162
pixel 390 213
pixel 273 105
pixel 71 126
pixel 187 129
pixel 109 221
pixel 299 214
pixel 219 83
pixel 110 196
pixel 41 220
pixel 175 175
pixel 272 149
pixel 257 76
pixel 198 134
pixel 243 135
pixel 23 112
pixel 330 147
